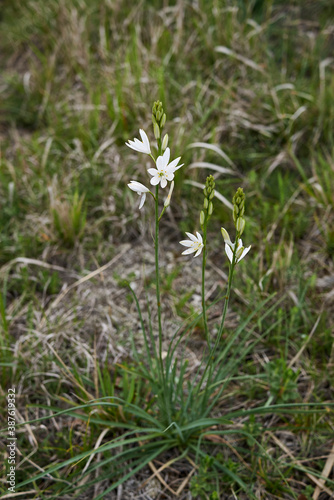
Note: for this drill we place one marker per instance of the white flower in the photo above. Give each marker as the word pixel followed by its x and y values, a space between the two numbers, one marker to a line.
pixel 141 147
pixel 195 244
pixel 229 248
pixel 139 189
pixel 164 171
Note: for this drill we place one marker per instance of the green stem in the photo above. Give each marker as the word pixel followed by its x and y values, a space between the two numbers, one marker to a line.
pixel 227 298
pixel 157 274
pixel 228 293
pixel 210 364
pixel 203 287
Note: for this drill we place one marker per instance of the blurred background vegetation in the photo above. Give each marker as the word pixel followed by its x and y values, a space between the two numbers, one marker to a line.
pixel 253 79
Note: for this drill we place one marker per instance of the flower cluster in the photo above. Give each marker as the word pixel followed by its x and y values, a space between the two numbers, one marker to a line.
pixel 165 169
pixel 164 172
pixel 195 243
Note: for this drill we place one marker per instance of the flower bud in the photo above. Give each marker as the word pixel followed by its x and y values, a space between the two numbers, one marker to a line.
pixel 238 205
pixel 225 235
pixel 212 194
pixel 201 218
pixel 240 225
pixel 156 130
pixel 210 210
pixel 158 115
pixel 206 203
pixel 167 200
pixel 164 142
pixel 239 253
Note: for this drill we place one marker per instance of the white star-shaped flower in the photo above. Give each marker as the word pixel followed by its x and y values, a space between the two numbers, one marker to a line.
pixel 141 147
pixel 139 189
pixel 164 171
pixel 195 244
pixel 229 248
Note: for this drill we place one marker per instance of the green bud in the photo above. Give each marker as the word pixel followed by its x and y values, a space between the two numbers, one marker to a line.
pixel 239 253
pixel 225 235
pixel 239 197
pixel 156 130
pixel 158 113
pixel 201 218
pixel 210 183
pixel 205 192
pixel 206 203
pixel 212 194
pixel 240 225
pixel 163 120
pixel 210 208
pixel 164 142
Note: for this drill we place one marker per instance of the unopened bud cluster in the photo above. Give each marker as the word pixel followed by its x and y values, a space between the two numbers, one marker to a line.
pixel 159 120
pixel 209 192
pixel 239 210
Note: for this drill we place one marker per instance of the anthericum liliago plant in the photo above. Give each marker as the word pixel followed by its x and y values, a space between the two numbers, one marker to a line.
pixel 183 412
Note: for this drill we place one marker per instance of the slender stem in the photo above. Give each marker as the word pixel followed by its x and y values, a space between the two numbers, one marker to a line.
pixel 228 292
pixel 210 364
pixel 157 274
pixel 203 287
pixel 227 298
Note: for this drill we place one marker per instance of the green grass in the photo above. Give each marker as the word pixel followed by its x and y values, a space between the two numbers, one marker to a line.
pixel 77 80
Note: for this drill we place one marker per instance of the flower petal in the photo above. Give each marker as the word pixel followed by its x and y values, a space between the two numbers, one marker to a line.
pixel 199 237
pixel 229 252
pixel 245 252
pixel 142 200
pixel 166 156
pixel 145 140
pixel 192 237
pixel 155 180
pixel 163 182
pixel 186 243
pixel 138 187
pixel 174 163
pixel 153 171
pixel 169 176
pixel 134 147
pixel 198 251
pixel 188 251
